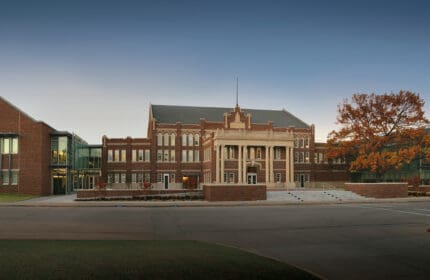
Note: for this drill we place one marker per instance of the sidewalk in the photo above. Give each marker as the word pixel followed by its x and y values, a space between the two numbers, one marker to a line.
pixel 69 201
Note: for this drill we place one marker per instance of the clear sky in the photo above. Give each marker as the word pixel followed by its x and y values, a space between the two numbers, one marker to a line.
pixel 93 67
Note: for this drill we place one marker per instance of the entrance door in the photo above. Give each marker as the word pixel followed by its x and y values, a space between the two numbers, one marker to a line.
pixel 302 181
pixel 166 181
pixel 252 178
pixel 59 182
pixel 91 182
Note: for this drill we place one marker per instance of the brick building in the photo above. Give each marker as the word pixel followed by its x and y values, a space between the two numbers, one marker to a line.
pixel 190 146
pixel 37 159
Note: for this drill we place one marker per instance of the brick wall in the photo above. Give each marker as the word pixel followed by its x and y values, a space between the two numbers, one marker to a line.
pixel 33 155
pixel 378 190
pixel 234 192
pixel 123 193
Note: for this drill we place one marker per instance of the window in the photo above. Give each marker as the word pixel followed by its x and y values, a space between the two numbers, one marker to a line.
pixel 296 156
pixel 190 155
pixel 197 156
pixel 172 155
pixel 190 139
pixel 232 153
pixel 147 155
pixel 133 155
pixel 231 178
pixel 307 143
pixel 14 146
pixel 300 143
pixel 166 155
pixel 301 157
pixel 184 155
pixel 172 140
pixel 184 139
pixel 258 153
pixel 14 177
pixel 110 155
pixel 160 177
pixel 277 153
pixel 116 178
pixel 6 146
pixel 252 153
pixel 225 153
pixel 123 177
pixel 159 139
pixel 133 177
pixel 116 158
pixel 166 139
pixel 278 177
pixel 296 143
pixel 110 179
pixel 146 177
pixel 5 177
pixel 159 155
pixel 172 177
pixel 123 156
pixel 307 157
pixel 140 156
pixel 225 178
pixel 196 140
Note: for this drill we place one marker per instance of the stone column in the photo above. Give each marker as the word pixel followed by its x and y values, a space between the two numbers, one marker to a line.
pixel 222 164
pixel 267 164
pixel 239 164
pixel 245 156
pixel 271 165
pixel 291 165
pixel 217 164
pixel 287 165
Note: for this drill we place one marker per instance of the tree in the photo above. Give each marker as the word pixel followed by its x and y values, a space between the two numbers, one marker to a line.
pixel 380 132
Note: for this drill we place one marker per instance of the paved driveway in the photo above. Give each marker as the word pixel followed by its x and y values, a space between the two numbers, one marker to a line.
pixel 348 241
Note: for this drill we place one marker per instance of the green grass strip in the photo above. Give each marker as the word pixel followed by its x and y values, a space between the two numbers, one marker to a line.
pixel 14 197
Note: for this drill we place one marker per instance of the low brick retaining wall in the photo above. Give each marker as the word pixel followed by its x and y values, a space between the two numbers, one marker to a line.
pixel 125 193
pixel 234 192
pixel 378 190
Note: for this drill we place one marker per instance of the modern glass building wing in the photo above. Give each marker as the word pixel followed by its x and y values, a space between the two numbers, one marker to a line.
pixel 74 163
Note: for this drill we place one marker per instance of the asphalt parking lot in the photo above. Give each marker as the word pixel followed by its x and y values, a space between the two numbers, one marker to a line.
pixel 337 241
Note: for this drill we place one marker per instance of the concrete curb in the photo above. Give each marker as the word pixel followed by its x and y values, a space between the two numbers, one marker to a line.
pixel 120 203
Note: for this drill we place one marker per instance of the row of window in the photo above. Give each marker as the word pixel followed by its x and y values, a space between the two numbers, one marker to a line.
pixel 167 139
pixel 9 145
pixel 119 178
pixel 136 155
pixel 10 177
pixel 252 153
pixel 141 155
pixel 301 157
pixel 301 143
pixel 230 177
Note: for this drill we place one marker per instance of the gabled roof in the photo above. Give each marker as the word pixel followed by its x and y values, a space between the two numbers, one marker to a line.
pixel 192 115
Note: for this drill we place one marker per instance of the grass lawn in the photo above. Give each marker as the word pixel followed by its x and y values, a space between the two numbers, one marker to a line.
pixel 90 259
pixel 14 197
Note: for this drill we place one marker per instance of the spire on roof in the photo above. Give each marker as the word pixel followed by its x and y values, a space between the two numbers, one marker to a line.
pixel 237 91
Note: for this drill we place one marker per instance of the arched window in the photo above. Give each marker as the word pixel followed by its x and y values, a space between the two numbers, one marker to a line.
pixel 184 139
pixel 190 139
pixel 172 139
pixel 166 139
pixel 196 140
pixel 159 139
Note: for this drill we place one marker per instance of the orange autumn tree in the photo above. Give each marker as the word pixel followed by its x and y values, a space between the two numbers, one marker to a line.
pixel 380 132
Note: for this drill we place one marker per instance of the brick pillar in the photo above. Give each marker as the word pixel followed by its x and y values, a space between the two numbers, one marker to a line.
pixel 267 164
pixel 239 164
pixel 217 168
pixel 222 163
pixel 245 156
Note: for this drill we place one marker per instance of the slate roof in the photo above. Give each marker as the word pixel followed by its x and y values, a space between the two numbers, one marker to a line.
pixel 192 115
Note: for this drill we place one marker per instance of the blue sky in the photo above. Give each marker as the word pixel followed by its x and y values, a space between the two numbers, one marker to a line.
pixel 93 67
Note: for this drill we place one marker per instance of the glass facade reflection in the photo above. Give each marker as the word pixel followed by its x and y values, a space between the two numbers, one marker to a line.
pixel 74 163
